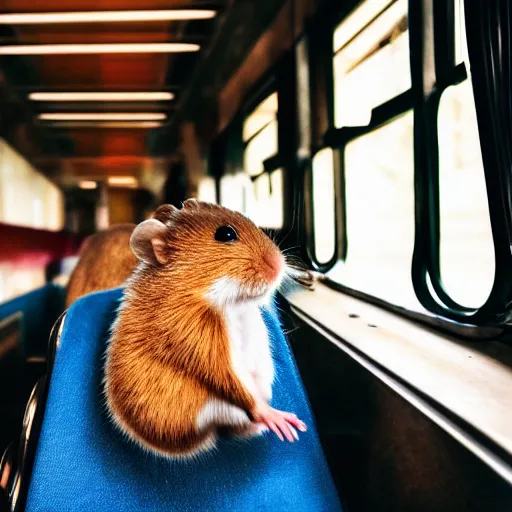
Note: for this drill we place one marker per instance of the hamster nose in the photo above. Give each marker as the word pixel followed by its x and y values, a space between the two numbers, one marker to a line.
pixel 275 263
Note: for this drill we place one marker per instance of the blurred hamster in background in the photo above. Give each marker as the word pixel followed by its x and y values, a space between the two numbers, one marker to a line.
pixel 105 261
pixel 189 354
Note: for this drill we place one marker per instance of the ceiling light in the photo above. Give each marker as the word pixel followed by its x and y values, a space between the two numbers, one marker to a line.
pixel 101 96
pixel 105 16
pixel 107 124
pixel 103 116
pixel 70 49
pixel 88 185
pixel 122 181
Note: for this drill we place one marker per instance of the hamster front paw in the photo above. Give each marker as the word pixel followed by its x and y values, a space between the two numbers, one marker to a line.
pixel 280 422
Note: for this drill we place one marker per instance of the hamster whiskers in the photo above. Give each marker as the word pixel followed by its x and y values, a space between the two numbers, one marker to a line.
pixel 298 273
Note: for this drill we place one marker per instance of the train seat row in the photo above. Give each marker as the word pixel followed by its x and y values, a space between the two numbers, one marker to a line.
pixel 72 458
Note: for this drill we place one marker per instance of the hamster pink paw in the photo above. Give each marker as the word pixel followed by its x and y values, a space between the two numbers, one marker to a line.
pixel 280 422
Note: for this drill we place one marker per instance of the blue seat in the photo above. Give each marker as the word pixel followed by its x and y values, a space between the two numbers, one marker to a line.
pixel 83 463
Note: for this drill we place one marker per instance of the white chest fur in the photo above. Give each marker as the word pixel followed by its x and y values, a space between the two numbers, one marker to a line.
pixel 252 362
pixel 250 348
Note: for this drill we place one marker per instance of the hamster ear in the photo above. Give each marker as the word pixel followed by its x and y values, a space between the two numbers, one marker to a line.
pixel 166 213
pixel 148 242
pixel 191 203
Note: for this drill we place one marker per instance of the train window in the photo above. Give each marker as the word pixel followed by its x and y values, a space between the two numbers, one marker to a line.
pixel 260 135
pixel 262 146
pixel 276 198
pixel 262 188
pixel 371 65
pixel 364 57
pixel 21 184
pixel 379 202
pixel 232 192
pixel 27 199
pixel 264 114
pixel 466 253
pixel 266 207
pixel 207 190
pixel 264 199
pixel 323 205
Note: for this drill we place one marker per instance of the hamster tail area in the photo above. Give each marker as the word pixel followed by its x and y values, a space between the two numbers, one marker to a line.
pixel 203 443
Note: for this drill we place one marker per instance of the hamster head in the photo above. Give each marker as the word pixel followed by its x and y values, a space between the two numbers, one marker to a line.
pixel 209 250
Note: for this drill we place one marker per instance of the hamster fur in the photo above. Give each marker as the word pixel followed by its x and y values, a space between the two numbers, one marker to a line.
pixel 189 353
pixel 105 261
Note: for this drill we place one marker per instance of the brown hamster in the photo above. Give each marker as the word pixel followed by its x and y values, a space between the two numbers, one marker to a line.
pixel 105 261
pixel 189 353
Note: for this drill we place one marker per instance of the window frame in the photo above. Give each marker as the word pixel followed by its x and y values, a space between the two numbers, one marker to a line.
pixel 317 60
pixel 272 163
pixel 340 239
pixel 445 73
pixel 230 159
pixel 433 62
pixel 279 79
pixel 488 321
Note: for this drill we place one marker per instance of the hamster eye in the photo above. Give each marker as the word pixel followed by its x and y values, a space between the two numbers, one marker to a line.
pixel 225 234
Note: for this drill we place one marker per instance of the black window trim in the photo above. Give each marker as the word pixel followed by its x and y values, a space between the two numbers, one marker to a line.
pixel 488 320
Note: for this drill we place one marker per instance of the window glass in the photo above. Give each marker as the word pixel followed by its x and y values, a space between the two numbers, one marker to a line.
pixel 54 209
pixel 262 188
pixel 276 200
pixel 357 19
pixel 266 203
pixel 260 134
pixel 262 115
pixel 264 193
pixel 371 65
pixel 27 198
pixel 207 190
pixel 323 205
pixel 466 244
pixel 232 193
pixel 262 146
pixel 379 184
pixel 461 44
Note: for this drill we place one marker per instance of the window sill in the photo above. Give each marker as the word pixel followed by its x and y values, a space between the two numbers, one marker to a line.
pixel 464 387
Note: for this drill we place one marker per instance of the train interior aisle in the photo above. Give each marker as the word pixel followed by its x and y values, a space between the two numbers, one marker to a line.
pixel 369 139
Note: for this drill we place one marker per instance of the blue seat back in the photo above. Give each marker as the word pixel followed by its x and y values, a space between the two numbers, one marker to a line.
pixel 83 463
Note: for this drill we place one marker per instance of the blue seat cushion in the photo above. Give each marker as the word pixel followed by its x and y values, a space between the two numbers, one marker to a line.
pixel 83 463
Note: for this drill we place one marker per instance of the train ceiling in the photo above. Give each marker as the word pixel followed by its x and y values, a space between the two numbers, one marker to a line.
pixel 94 105
pixel 66 92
